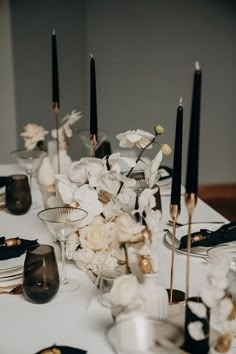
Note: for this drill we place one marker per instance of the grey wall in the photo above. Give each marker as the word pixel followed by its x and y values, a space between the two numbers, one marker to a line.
pixel 7 96
pixel 145 52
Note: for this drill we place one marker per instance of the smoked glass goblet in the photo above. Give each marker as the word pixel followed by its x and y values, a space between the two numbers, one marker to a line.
pixel 41 277
pixel 18 195
pixel 62 222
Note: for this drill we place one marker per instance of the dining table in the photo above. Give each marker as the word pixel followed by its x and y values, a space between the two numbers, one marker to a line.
pixel 26 328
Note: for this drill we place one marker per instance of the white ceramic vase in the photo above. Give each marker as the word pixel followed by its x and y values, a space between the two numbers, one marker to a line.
pixel 155 297
pixel 65 162
pixel 46 173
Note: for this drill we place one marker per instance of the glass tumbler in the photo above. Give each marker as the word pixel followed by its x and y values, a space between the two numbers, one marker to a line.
pixel 106 283
pixel 40 275
pixel 18 194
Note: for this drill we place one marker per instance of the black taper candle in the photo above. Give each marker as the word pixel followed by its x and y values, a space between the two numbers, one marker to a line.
pixel 93 99
pixel 55 80
pixel 193 145
pixel 177 164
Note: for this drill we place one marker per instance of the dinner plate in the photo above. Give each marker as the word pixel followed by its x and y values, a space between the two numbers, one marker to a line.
pixel 11 272
pixel 183 230
pixel 12 277
pixel 12 263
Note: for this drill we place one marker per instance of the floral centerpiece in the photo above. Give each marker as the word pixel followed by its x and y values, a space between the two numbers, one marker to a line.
pixel 109 197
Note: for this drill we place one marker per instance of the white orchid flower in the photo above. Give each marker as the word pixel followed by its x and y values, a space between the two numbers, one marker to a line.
pixel 84 169
pixel 146 199
pixel 66 189
pixel 87 198
pixel 115 159
pixel 139 138
pixel 112 210
pixel 151 169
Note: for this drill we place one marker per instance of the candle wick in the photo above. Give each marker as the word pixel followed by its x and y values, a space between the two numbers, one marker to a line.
pixel 91 55
pixel 197 65
pixel 180 101
pixel 53 32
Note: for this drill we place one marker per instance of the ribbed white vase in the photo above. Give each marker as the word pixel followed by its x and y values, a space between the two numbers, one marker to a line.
pixel 155 297
pixel 65 162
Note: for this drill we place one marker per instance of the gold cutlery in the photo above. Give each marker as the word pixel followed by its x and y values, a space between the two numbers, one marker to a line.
pixel 9 286
pixel 15 291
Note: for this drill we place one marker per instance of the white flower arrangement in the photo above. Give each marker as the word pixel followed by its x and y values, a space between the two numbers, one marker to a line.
pixel 108 195
pixel 34 135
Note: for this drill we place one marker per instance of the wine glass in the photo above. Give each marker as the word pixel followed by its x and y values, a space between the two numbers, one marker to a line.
pixel 41 277
pixel 62 222
pixel 29 161
pixel 106 283
pixel 18 195
pixel 84 136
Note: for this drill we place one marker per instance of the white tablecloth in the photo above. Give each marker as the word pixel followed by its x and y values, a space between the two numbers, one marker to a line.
pixel 25 328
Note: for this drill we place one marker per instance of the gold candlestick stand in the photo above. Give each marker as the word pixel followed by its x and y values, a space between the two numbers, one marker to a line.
pixel 55 108
pixel 93 141
pixel 175 296
pixel 190 202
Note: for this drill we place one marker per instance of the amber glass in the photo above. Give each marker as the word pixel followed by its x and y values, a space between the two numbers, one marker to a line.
pixel 40 276
pixel 18 194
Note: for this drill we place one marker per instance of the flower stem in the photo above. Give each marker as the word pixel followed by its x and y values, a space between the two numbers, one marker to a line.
pixel 125 246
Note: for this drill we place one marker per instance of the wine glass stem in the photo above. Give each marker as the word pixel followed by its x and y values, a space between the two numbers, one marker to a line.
pixel 30 181
pixel 63 250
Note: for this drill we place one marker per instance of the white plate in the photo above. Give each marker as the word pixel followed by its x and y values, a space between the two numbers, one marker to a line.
pixel 11 272
pixel 12 263
pixel 11 277
pixel 183 230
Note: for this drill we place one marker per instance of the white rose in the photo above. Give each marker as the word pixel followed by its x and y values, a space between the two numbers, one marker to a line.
pixel 103 261
pixel 32 135
pixel 83 257
pixel 126 291
pixel 94 237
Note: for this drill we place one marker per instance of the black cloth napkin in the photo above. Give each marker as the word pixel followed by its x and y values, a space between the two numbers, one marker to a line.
pixel 62 350
pixel 207 238
pixel 7 252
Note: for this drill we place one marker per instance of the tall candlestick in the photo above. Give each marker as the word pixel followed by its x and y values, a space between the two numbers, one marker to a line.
pixel 192 166
pixel 177 165
pixel 193 147
pixel 55 80
pixel 55 93
pixel 93 100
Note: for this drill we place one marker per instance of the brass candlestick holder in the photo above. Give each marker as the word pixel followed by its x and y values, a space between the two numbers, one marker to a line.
pixel 93 141
pixel 175 296
pixel 190 201
pixel 55 108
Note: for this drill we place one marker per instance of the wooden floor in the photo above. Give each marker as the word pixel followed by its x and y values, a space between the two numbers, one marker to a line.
pixel 221 197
